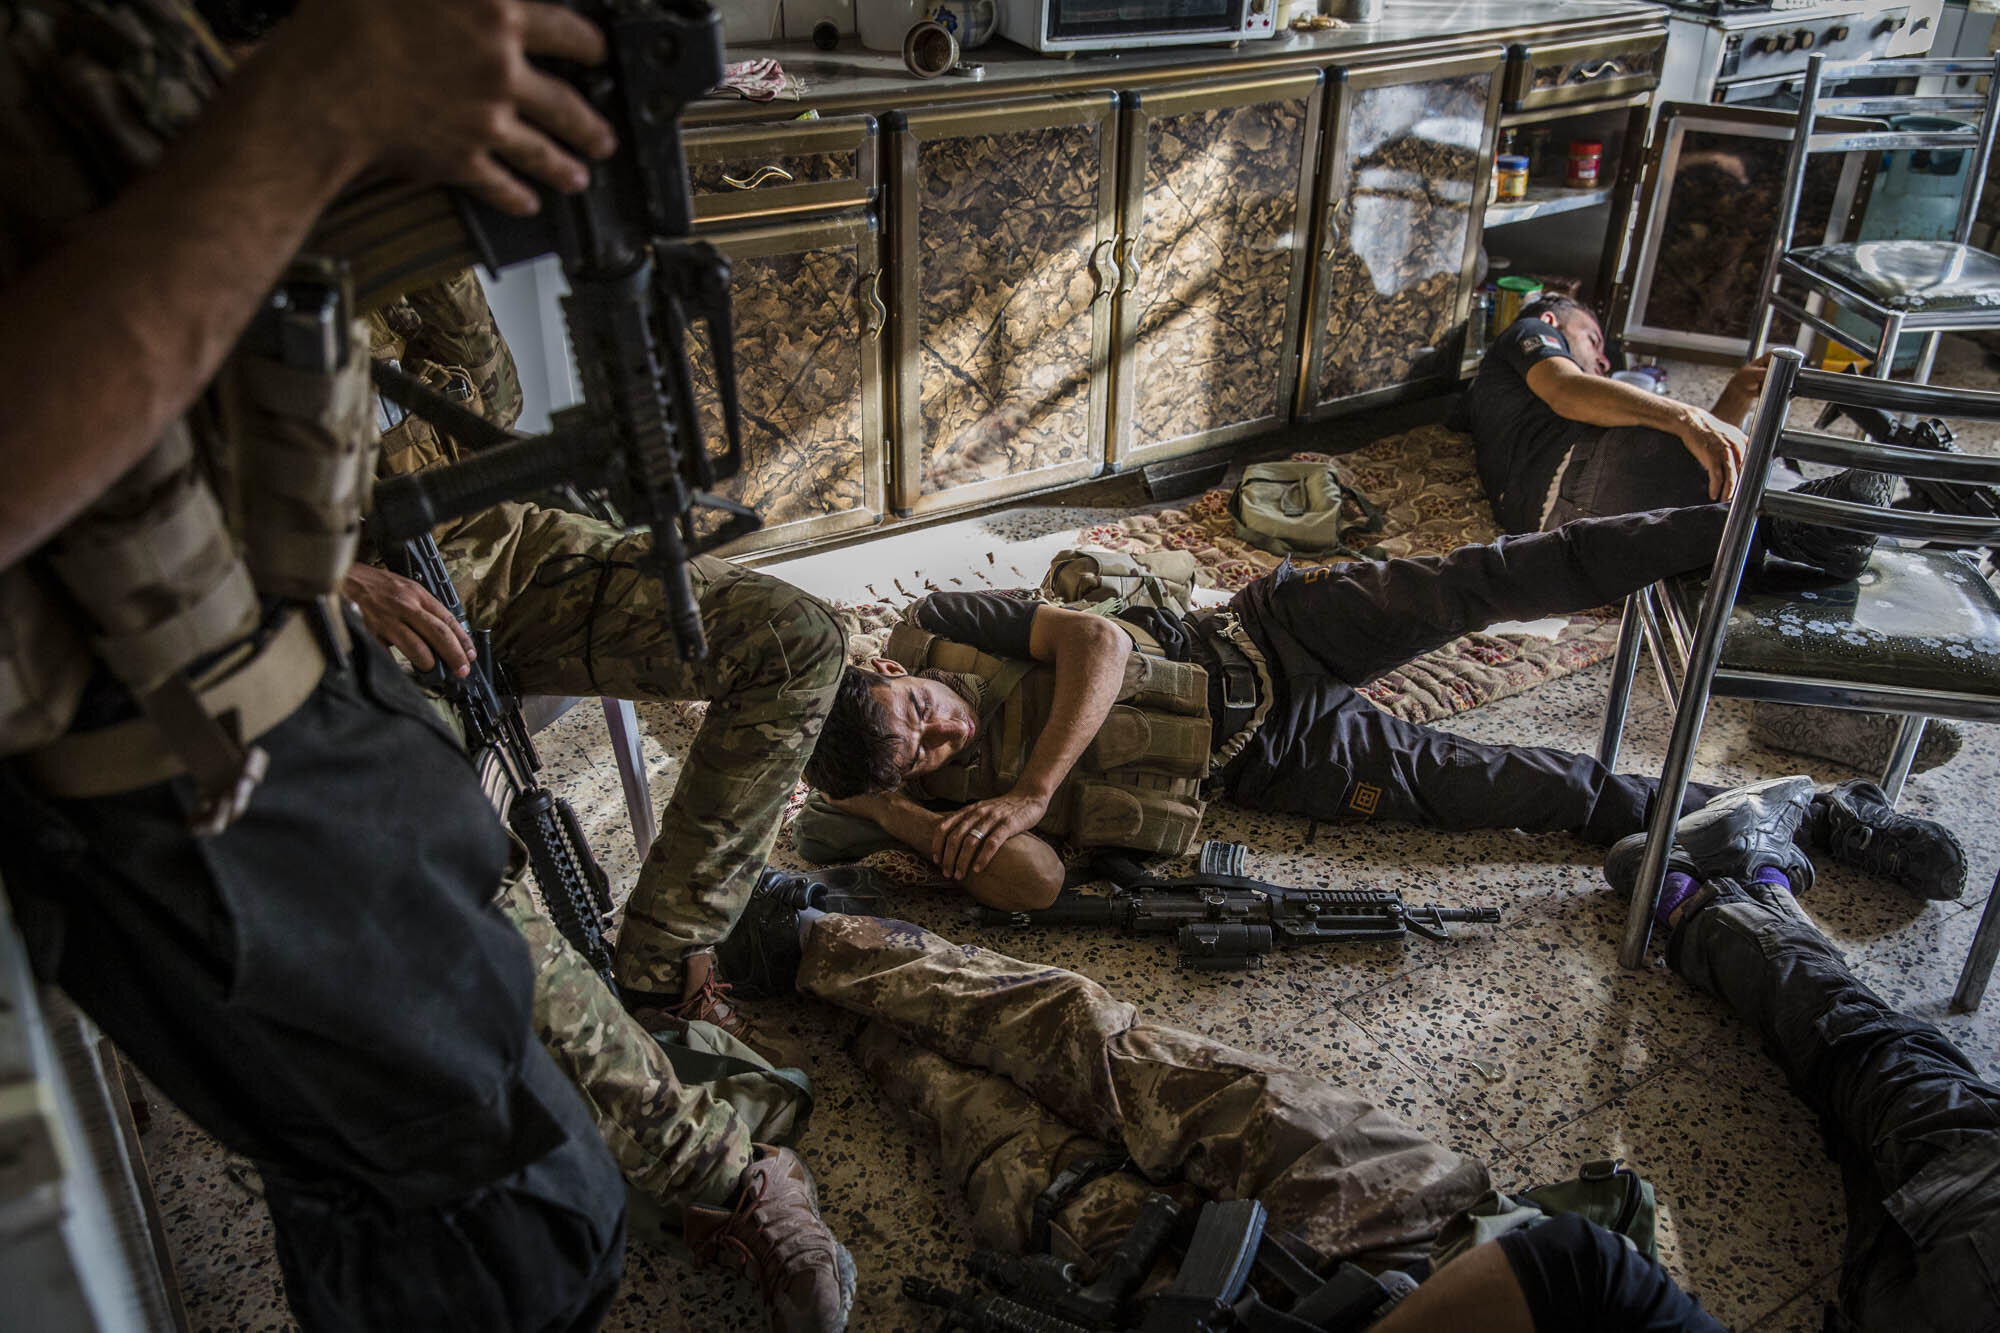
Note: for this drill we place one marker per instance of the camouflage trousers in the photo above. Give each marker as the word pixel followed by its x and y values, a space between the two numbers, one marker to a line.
pixel 571 615
pixel 1022 1069
pixel 673 1141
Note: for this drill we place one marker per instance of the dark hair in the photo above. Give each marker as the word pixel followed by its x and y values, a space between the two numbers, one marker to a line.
pixel 1553 303
pixel 859 752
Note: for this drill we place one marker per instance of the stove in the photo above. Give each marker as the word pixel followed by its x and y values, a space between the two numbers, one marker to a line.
pixel 1754 51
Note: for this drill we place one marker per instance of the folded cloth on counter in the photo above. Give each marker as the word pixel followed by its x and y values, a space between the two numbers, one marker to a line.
pixel 758 81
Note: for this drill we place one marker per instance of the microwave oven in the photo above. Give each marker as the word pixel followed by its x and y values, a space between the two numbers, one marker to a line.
pixel 1100 25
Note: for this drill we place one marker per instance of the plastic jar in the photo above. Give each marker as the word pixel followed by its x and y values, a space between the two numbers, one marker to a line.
pixel 1510 176
pixel 1513 292
pixel 1584 157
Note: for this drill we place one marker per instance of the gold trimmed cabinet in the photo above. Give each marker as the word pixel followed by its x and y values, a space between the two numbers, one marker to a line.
pixel 1404 168
pixel 1004 230
pixel 792 206
pixel 1211 262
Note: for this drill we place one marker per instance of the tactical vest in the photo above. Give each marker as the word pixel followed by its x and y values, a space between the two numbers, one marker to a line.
pixel 1138 783
pixel 257 492
pixel 444 333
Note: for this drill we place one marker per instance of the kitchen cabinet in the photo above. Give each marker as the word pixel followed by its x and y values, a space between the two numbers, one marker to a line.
pixel 1211 260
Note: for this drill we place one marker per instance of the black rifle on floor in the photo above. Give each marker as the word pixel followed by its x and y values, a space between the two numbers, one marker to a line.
pixel 1944 497
pixel 575 889
pixel 635 442
pixel 1220 918
pixel 1044 1298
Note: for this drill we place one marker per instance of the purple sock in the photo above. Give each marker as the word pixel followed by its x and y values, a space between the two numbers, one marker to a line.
pixel 1672 894
pixel 1772 875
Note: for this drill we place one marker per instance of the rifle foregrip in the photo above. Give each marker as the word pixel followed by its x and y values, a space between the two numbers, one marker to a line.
pixel 1069 909
pixel 986 1314
pixel 417 502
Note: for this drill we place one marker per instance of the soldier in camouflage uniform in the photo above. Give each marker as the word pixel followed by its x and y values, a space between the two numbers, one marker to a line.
pixel 1024 1071
pixel 571 615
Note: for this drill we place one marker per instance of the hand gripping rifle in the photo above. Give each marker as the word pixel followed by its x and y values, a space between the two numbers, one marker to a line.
pixel 634 278
pixel 1220 918
pixel 575 889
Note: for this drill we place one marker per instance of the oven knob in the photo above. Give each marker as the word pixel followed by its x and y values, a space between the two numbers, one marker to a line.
pixel 1806 39
pixel 1894 24
pixel 1838 34
pixel 1784 42
pixel 1761 45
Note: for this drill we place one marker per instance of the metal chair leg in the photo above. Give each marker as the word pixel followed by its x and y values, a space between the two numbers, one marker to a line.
pixel 1928 358
pixel 622 721
pixel 1667 799
pixel 1901 755
pixel 1885 351
pixel 1624 666
pixel 1979 962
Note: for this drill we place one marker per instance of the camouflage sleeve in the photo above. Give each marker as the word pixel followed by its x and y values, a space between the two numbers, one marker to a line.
pixel 458 329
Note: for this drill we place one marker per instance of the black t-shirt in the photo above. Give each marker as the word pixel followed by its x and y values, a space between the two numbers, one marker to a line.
pixel 1518 439
pixel 999 622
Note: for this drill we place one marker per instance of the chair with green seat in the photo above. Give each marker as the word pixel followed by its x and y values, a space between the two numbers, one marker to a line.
pixel 1916 633
pixel 1896 287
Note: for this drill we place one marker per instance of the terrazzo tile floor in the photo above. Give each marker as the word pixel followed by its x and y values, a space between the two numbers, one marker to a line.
pixel 1525 1044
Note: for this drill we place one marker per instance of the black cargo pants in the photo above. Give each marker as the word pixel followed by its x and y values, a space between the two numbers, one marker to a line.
pixel 1327 753
pixel 1914 1128
pixel 327 988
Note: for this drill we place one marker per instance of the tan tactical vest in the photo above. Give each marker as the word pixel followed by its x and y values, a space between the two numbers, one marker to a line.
pixel 1137 785
pixel 258 491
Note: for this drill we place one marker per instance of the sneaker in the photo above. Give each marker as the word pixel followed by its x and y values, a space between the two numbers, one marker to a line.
pixel 1854 823
pixel 760 955
pixel 775 1236
pixel 1856 740
pixel 1737 833
pixel 1835 552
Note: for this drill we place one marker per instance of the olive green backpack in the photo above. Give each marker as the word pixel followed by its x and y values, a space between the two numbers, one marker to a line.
pixel 1606 1192
pixel 1294 508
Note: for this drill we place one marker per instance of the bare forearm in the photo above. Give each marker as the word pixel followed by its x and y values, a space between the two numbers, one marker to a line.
pixel 1025 872
pixel 110 337
pixel 1089 663
pixel 1598 401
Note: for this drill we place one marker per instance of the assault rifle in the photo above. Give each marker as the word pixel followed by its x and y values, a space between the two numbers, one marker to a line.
pixel 1220 918
pixel 1945 497
pixel 635 442
pixel 575 889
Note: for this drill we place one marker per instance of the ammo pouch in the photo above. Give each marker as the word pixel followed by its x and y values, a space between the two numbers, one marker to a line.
pixel 44 662
pixel 1137 785
pixel 1605 1192
pixel 1293 508
pixel 1107 581
pixel 304 462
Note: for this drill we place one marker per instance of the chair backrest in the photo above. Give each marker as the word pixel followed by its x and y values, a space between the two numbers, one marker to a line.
pixel 1823 98
pixel 1771 437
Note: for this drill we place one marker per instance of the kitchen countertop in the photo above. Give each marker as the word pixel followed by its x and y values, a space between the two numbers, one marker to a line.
pixel 851 78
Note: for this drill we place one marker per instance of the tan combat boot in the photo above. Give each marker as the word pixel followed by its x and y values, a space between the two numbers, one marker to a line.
pixel 774 1235
pixel 712 1004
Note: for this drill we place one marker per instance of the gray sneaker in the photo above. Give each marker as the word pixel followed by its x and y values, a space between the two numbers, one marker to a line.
pixel 1856 740
pixel 1854 823
pixel 1737 833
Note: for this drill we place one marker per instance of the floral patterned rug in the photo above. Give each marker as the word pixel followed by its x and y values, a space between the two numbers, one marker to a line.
pixel 1426 485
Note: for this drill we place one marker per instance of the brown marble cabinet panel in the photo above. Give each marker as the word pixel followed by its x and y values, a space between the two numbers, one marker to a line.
pixel 808 317
pixel 1003 218
pixel 1405 167
pixel 1211 262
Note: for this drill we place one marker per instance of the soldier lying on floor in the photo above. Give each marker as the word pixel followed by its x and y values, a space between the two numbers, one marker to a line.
pixel 1030 1076
pixel 1025 715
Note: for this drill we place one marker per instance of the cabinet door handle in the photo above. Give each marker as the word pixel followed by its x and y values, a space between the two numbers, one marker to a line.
pixel 1597 70
pixel 1103 269
pixel 877 315
pixel 1334 227
pixel 757 177
pixel 1126 257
